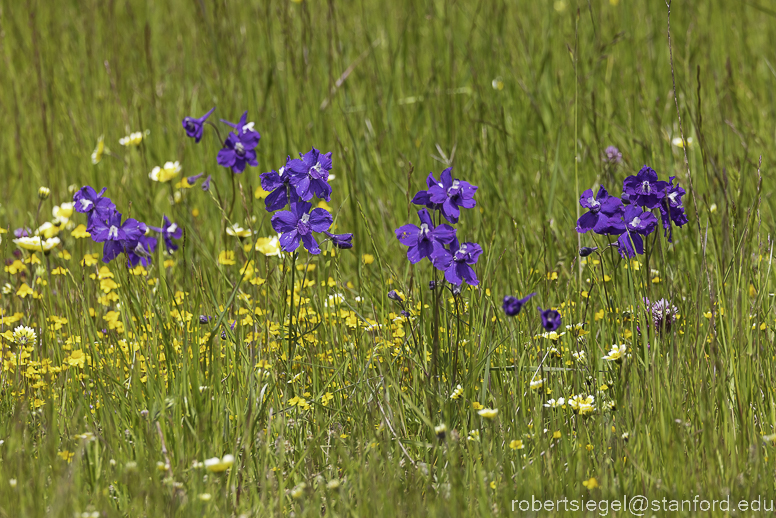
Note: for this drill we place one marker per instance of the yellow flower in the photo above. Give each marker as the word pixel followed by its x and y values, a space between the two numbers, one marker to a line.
pixel 43 193
pixel 457 393
pixel 216 465
pixel 516 444
pixel 89 260
pixel 326 398
pixel 269 246
pixel 591 484
pixel 325 206
pixel 166 173
pixel 25 290
pixel 226 257
pixel 368 258
pixel 76 359
pixel 66 455
pixel 678 142
pixel 260 193
pixel 488 413
pixel 80 232
pixel 237 231
pixel 98 151
pixel 133 139
pixel 63 211
pixel 15 267
pixel 477 406
pixel 37 244
pixel 59 271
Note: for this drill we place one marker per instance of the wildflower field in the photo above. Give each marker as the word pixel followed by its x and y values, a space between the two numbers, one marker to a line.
pixel 273 258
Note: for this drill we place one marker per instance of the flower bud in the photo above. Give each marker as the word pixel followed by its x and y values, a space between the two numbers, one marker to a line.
pixel 43 193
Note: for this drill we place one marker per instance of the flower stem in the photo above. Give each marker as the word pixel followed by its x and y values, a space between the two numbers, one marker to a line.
pixel 291 317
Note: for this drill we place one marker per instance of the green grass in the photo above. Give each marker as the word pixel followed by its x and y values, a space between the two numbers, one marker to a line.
pixel 509 93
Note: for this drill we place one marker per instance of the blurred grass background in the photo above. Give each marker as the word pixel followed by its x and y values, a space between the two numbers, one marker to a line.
pixel 509 93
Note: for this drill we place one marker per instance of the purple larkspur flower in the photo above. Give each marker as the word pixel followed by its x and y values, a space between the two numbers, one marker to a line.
pixel 204 319
pixel 639 221
pixel 612 155
pixel 551 319
pixel 117 236
pixel 298 224
pixel 239 148
pixel 423 239
pixel 191 180
pixel 90 202
pixel 343 241
pixel 142 252
pixel 629 244
pixel 671 208
pixel 423 197
pixel 276 184
pixel 169 231
pixel 206 184
pixel 603 212
pixel 644 188
pixel 452 195
pixel 457 262
pixel 512 305
pixel 310 175
pixel 195 126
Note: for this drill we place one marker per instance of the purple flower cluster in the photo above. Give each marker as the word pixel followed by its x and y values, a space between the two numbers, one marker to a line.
pixel 239 148
pixel 438 242
pixel 105 225
pixel 631 217
pixel 551 319
pixel 294 185
pixel 662 313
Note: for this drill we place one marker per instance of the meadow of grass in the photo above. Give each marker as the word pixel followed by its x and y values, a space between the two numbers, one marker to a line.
pixel 307 374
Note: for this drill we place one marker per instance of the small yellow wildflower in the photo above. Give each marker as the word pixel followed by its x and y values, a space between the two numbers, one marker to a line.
pixel 98 151
pixel 226 257
pixel 516 444
pixel 166 173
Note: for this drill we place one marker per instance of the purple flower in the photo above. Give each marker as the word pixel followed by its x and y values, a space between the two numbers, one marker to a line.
pixel 310 175
pixel 671 208
pixel 423 239
pixel 206 184
pixel 603 214
pixel 299 224
pixel 457 262
pixel 22 232
pixel 550 319
pixel 638 221
pixel 194 127
pixel 662 313
pixel 142 251
pixel 239 148
pixel 169 232
pixel 204 319
pixel 452 194
pixel 117 236
pixel 90 202
pixel 340 240
pixel 644 188
pixel 191 180
pixel 512 305
pixel 612 155
pixel 424 198
pixel 276 184
pixel 629 244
